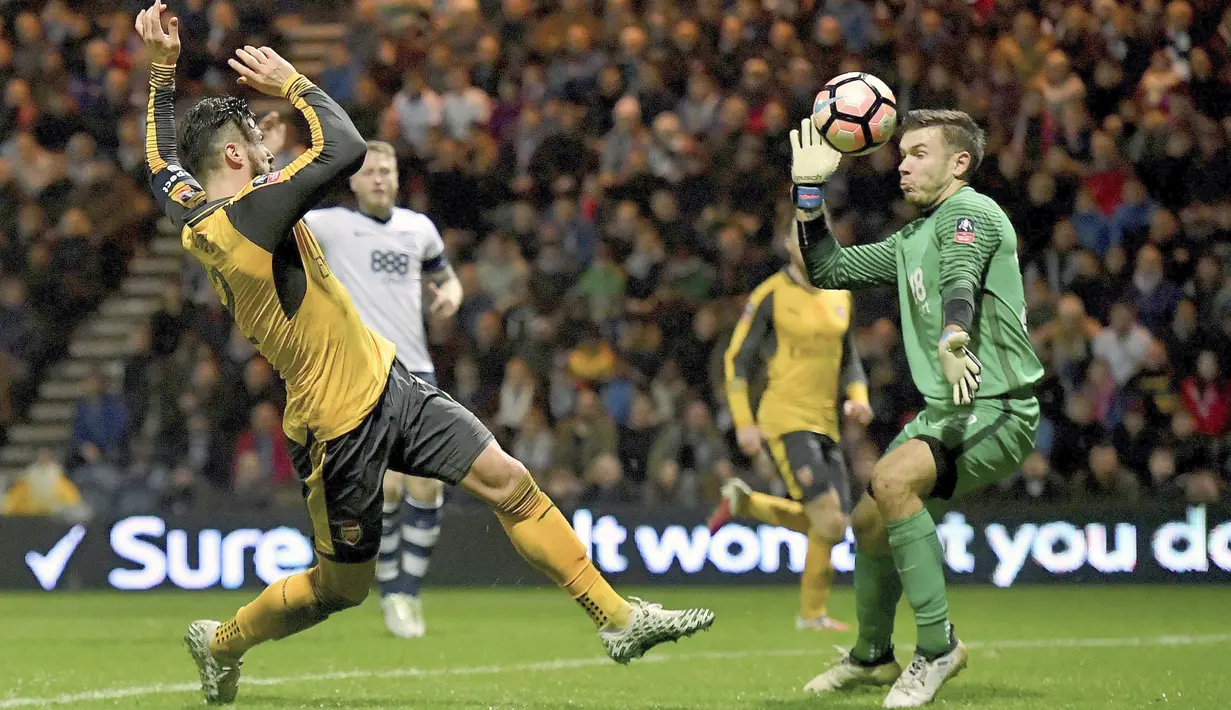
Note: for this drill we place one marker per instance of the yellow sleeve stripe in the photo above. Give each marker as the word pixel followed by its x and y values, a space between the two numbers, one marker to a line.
pixel 737 387
pixel 162 76
pixel 740 406
pixel 857 392
pixel 152 156
pixel 318 139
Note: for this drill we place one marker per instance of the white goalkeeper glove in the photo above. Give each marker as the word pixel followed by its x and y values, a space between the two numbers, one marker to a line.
pixel 960 366
pixel 813 160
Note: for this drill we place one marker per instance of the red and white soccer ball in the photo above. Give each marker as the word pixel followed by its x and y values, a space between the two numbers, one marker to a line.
pixel 856 113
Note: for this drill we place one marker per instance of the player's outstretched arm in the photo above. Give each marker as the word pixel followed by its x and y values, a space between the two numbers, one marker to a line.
pixel 828 265
pixel 176 192
pixel 275 202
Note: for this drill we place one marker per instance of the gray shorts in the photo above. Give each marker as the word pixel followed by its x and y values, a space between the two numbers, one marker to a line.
pixel 414 428
pixel 811 465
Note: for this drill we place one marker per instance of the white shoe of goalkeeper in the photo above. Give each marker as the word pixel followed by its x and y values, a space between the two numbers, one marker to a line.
pixel 219 676
pixel 649 625
pixel 918 684
pixel 847 674
pixel 403 615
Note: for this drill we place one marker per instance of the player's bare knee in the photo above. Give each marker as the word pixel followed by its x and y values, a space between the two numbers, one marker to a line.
pixel 426 490
pixel 865 524
pixel 494 476
pixel 510 474
pixel 826 520
pixel 890 489
pixel 829 528
pixel 392 487
pixel 869 527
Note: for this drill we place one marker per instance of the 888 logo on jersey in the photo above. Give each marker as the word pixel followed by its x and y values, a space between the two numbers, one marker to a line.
pixel 391 263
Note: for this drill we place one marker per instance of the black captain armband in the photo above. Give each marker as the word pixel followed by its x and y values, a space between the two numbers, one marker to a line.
pixel 960 309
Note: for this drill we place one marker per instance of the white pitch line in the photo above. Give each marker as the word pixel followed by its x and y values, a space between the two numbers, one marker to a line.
pixel 575 663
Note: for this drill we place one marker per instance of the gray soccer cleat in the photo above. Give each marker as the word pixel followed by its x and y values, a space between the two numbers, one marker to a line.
pixel 650 625
pixel 847 673
pixel 219 676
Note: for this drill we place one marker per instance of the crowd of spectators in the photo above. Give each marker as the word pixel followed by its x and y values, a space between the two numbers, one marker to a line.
pixel 609 178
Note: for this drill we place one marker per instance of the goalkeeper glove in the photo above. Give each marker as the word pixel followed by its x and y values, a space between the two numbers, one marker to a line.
pixel 960 366
pixel 813 160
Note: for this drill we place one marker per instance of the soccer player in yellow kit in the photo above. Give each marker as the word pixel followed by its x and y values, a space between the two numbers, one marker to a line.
pixel 804 335
pixel 352 411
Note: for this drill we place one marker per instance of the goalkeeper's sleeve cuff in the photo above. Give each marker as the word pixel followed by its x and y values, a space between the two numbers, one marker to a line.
pixel 294 86
pixel 959 308
pixel 162 76
pixel 810 230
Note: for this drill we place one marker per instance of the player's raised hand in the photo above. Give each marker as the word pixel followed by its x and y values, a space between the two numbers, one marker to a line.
pixel 857 412
pixel 163 45
pixel 262 69
pixel 813 160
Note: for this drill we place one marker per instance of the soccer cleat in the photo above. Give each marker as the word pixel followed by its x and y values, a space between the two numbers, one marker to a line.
pixel 848 673
pixel 734 493
pixel 403 615
pixel 219 676
pixel 820 623
pixel 649 625
pixel 918 685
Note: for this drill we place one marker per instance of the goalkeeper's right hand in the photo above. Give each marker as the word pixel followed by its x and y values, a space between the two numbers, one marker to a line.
pixel 813 160
pixel 960 366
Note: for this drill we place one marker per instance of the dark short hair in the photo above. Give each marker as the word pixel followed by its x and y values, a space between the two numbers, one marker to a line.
pixel 959 129
pixel 202 126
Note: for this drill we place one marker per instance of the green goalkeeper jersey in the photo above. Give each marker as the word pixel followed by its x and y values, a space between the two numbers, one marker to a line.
pixel 965 245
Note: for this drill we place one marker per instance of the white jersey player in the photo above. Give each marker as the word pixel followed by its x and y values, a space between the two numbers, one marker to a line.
pixel 382 254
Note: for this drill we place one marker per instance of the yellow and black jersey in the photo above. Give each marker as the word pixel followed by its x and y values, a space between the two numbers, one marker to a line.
pixel 267 268
pixel 803 335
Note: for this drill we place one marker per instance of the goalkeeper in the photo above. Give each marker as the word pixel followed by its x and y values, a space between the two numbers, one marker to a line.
pixel 964 329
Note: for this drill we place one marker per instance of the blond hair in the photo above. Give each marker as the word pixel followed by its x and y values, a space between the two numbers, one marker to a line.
pixel 382 148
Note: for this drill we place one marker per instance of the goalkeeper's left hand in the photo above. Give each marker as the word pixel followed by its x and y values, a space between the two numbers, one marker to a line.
pixel 960 366
pixel 813 160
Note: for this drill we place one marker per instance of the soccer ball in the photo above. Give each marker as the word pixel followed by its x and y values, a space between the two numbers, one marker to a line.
pixel 856 113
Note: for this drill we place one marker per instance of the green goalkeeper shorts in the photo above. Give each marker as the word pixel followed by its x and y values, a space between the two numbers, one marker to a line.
pixel 975 445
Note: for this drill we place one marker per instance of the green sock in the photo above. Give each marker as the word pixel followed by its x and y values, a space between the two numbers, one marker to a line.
pixel 877 591
pixel 920 563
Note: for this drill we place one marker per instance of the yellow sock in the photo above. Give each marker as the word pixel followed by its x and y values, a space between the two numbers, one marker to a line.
pixel 285 607
pixel 294 604
pixel 816 580
pixel 776 511
pixel 544 538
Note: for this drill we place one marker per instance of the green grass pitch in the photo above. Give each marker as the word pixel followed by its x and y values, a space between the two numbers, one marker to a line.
pixel 1031 648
